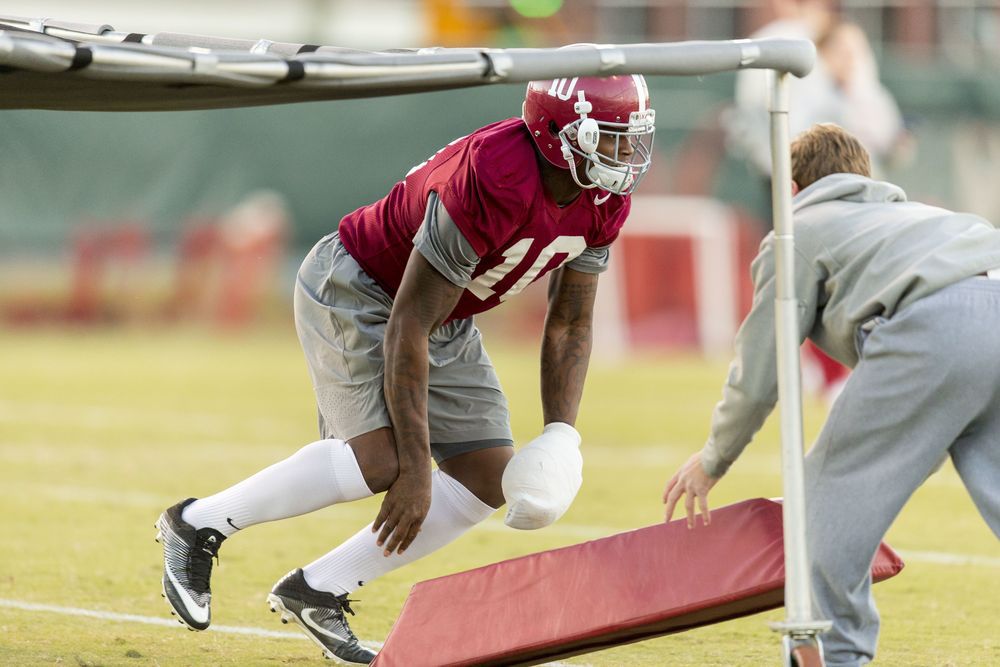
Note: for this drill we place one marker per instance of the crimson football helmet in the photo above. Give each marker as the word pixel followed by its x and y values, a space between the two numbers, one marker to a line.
pixel 568 117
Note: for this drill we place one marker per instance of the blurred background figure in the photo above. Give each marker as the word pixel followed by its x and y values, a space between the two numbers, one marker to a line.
pixel 748 125
pixel 843 88
pixel 859 102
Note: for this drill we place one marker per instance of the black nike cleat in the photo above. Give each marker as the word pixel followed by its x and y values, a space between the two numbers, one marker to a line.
pixel 187 565
pixel 321 615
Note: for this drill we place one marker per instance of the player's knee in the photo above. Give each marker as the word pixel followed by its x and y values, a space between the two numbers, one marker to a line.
pixel 481 472
pixel 377 459
pixel 489 490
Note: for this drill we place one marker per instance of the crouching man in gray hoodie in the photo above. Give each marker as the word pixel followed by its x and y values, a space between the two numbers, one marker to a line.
pixel 907 295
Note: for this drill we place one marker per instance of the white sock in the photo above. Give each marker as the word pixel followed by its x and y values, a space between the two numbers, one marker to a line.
pixel 454 510
pixel 318 475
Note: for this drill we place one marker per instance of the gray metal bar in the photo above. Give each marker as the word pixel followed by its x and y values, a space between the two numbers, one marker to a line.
pixel 510 65
pixel 799 622
pixel 97 73
pixel 797 593
pixel 676 58
pixel 35 53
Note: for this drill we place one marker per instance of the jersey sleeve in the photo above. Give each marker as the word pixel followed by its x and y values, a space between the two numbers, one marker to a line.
pixel 591 260
pixel 488 196
pixel 442 244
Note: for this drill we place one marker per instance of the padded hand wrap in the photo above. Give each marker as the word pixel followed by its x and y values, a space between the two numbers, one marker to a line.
pixel 543 478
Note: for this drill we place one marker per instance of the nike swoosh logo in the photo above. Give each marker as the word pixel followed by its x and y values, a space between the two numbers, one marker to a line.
pixel 307 618
pixel 230 522
pixel 197 612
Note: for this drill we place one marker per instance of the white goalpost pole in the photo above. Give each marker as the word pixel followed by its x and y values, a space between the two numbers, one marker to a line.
pixel 799 625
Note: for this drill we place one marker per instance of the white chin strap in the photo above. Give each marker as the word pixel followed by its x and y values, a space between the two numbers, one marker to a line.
pixel 612 181
pixel 599 175
pixel 606 178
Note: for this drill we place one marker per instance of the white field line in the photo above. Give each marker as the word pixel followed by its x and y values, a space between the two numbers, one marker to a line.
pixel 154 620
pixel 352 512
pixel 944 558
pixel 102 417
pixel 147 620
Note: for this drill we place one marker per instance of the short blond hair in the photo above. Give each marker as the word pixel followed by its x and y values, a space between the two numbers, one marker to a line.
pixel 826 149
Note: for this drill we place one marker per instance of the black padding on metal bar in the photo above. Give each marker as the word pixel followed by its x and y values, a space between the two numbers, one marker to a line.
pixel 83 57
pixel 308 48
pixel 134 37
pixel 296 71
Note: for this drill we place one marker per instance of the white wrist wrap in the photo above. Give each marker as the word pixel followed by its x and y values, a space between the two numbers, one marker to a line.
pixel 542 479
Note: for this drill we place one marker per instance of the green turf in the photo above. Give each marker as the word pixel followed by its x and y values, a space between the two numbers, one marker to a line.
pixel 101 430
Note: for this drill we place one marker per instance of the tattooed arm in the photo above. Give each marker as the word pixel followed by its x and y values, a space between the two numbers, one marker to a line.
pixel 424 300
pixel 566 343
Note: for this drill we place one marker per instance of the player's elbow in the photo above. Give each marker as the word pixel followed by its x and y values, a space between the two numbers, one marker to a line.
pixel 405 336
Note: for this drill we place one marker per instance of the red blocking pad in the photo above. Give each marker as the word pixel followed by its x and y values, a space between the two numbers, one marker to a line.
pixel 615 590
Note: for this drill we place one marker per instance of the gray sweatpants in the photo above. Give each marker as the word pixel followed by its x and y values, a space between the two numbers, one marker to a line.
pixel 927 386
pixel 341 315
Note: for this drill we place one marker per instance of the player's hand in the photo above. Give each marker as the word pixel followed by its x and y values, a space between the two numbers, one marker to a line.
pixel 692 482
pixel 542 479
pixel 403 511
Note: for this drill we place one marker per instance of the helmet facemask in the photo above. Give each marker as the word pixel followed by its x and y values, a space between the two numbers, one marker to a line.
pixel 609 172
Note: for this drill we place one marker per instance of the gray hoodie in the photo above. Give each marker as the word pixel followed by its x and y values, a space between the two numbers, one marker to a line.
pixel 861 251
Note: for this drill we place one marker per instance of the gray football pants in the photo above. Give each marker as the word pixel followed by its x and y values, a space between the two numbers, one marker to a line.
pixel 927 386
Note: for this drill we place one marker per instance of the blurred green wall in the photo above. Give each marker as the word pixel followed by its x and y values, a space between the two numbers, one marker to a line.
pixel 58 169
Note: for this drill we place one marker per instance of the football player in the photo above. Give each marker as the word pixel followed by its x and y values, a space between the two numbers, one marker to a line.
pixel 908 295
pixel 384 311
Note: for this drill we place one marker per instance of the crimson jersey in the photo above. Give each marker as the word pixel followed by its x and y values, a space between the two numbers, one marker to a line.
pixel 490 184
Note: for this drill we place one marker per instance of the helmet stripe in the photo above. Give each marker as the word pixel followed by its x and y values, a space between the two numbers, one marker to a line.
pixel 641 90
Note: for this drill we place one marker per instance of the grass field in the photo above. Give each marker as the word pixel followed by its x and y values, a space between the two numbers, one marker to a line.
pixel 99 431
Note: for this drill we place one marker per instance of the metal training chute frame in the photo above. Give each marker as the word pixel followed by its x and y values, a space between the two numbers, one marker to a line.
pixel 50 64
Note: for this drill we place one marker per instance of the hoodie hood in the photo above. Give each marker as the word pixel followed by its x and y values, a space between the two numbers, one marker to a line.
pixel 848 187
